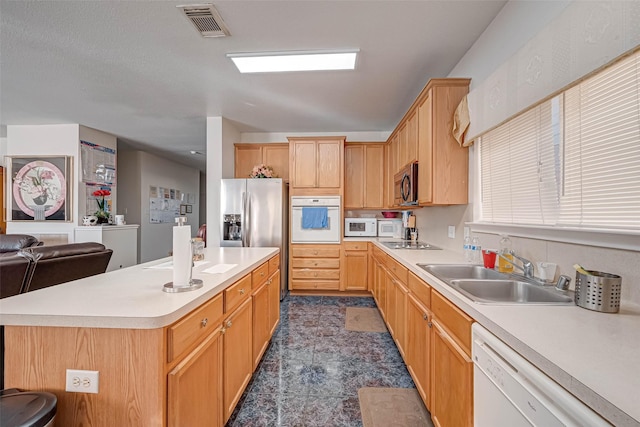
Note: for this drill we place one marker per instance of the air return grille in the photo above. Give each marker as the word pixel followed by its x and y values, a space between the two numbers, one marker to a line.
pixel 206 19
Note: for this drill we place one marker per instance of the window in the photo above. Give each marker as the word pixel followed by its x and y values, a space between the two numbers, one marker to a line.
pixel 571 161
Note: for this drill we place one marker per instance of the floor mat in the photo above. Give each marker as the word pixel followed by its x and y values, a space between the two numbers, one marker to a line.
pixel 398 407
pixel 364 320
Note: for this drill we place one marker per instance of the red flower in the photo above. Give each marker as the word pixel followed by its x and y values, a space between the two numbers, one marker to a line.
pixel 101 193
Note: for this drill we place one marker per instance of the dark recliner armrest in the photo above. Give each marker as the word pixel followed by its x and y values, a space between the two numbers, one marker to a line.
pixel 15 242
pixel 13 272
pixel 52 265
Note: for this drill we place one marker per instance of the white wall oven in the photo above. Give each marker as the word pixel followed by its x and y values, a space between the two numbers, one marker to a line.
pixel 315 219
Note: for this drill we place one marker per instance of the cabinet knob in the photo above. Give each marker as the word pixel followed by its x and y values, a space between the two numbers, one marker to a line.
pixel 241 291
pixel 204 322
pixel 229 324
pixel 315 252
pixel 223 330
pixel 268 282
pixel 430 324
pixel 315 274
pixel 424 316
pixel 262 274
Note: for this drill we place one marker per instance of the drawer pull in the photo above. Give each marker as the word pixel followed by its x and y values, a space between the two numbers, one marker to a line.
pixel 262 274
pixel 204 322
pixel 241 291
pixel 229 324
pixel 315 252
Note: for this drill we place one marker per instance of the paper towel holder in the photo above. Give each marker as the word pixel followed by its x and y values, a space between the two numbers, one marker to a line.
pixel 193 283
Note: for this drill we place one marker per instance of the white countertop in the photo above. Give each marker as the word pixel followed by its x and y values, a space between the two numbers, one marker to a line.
pixel 596 356
pixel 130 298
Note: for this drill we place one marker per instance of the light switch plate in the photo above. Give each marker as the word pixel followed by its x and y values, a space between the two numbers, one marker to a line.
pixel 82 381
pixel 452 232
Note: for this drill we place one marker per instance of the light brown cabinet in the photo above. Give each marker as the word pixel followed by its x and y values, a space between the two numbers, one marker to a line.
pixel 194 386
pixel 316 165
pixel 355 266
pixel 364 177
pixel 443 165
pixel 237 354
pixel 418 355
pixel 451 365
pixel 249 155
pixel 314 267
pixel 266 314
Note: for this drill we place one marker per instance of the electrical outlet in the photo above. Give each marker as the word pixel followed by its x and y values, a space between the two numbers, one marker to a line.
pixel 452 232
pixel 82 381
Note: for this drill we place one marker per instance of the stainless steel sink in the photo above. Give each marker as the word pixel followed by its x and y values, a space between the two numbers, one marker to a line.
pixel 486 286
pixel 509 292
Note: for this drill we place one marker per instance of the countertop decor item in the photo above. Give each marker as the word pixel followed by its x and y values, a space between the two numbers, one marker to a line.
pixel 262 171
pixel 102 214
pixel 598 291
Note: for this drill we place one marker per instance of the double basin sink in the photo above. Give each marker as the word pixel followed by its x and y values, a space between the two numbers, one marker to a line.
pixel 486 286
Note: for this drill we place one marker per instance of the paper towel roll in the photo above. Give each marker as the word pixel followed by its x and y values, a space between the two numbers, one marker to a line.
pixel 182 258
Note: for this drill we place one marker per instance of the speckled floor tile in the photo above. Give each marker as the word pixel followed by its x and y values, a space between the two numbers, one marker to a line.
pixel 313 368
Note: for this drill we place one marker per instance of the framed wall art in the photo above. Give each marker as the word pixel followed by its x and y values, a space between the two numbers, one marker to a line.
pixel 40 188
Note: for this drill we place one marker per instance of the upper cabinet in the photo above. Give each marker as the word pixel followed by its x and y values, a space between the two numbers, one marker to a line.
pixel 316 165
pixel 364 176
pixel 443 169
pixel 425 135
pixel 249 155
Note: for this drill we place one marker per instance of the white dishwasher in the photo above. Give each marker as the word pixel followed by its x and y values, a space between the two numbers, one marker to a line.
pixel 509 391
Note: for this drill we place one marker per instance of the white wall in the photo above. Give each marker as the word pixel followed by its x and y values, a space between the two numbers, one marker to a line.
pixel 139 170
pixel 529 51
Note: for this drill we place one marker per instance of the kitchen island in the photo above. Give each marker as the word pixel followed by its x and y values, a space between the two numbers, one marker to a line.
pixel 592 355
pixel 160 356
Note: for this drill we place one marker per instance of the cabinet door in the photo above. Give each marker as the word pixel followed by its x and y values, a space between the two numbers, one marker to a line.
pixel 274 302
pixel 452 374
pixel 261 324
pixel 401 317
pixel 374 177
pixel 245 159
pixel 303 164
pixel 238 355
pixel 354 176
pixel 412 137
pixel 425 150
pixel 355 271
pixel 390 304
pixel 403 140
pixel 277 156
pixel 194 386
pixel 381 284
pixel 418 354
pixel 329 165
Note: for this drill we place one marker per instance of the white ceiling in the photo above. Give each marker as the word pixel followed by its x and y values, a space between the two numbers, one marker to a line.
pixel 139 70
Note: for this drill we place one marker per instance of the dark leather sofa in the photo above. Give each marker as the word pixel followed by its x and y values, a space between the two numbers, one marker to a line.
pixel 13 267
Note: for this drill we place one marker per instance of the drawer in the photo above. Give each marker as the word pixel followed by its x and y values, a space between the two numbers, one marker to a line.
pixel 454 320
pixel 314 273
pixel 315 252
pixel 193 327
pixel 318 285
pixel 259 275
pixel 237 293
pixel 315 263
pixel 274 264
pixel 379 253
pixel 397 269
pixel 420 289
pixel 354 246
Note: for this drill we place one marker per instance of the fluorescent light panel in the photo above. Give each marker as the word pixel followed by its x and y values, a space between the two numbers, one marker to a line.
pixel 273 62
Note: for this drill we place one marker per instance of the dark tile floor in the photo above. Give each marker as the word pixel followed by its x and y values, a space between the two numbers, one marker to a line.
pixel 313 368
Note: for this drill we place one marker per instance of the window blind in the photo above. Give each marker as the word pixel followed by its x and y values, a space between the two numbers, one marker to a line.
pixel 573 160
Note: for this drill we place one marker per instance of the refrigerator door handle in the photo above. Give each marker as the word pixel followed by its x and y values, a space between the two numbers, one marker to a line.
pixel 246 226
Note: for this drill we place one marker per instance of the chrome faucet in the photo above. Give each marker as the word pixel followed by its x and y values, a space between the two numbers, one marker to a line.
pixel 527 266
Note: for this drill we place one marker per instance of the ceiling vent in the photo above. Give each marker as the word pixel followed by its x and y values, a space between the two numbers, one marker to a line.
pixel 206 19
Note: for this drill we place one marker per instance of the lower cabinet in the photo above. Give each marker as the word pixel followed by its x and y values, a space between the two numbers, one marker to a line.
pixel 314 267
pixel 418 354
pixel 194 386
pixel 355 266
pixel 266 315
pixel 237 355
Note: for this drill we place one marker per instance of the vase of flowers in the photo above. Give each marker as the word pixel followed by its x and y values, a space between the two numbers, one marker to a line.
pixel 262 171
pixel 101 213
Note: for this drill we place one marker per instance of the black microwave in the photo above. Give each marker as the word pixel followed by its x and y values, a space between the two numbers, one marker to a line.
pixel 405 186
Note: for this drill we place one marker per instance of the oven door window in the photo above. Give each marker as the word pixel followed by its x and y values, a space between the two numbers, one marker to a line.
pixel 357 226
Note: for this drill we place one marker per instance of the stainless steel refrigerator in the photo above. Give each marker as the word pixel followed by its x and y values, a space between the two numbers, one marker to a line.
pixel 255 213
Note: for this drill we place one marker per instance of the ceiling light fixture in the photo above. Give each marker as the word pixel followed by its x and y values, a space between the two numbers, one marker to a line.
pixel 273 62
